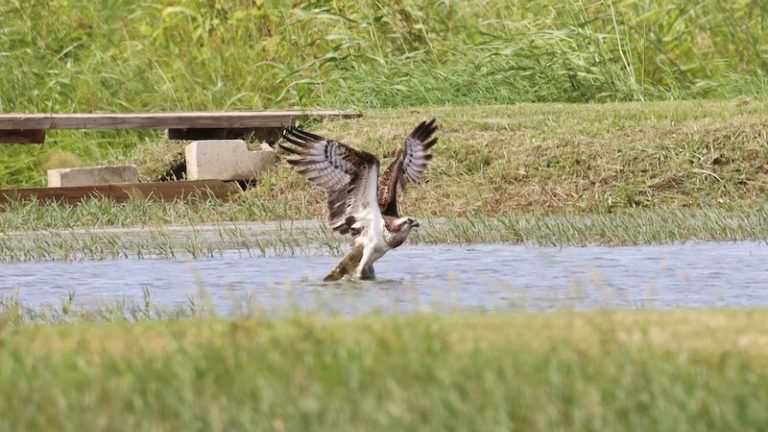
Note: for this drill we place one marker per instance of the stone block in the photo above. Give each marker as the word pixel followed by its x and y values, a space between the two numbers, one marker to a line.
pixel 92 176
pixel 226 160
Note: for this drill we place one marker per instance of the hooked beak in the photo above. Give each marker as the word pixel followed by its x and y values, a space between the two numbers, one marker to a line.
pixel 415 224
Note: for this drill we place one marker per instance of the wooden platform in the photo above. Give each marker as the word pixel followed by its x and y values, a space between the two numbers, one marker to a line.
pixel 162 191
pixel 262 125
pixel 31 128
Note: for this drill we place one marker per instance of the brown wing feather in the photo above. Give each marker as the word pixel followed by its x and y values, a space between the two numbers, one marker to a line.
pixel 339 169
pixel 409 164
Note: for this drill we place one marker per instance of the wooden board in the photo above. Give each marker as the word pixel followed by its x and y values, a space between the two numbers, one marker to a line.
pixel 166 120
pixel 165 191
pixel 30 136
pixel 266 134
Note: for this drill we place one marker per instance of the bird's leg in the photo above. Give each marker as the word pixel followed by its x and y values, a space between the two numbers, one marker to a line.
pixel 346 266
pixel 367 252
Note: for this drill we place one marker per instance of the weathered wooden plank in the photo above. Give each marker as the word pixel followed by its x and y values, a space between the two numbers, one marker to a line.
pixel 165 120
pixel 164 191
pixel 267 134
pixel 28 136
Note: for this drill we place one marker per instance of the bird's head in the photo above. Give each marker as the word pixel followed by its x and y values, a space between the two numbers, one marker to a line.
pixel 401 225
pixel 413 223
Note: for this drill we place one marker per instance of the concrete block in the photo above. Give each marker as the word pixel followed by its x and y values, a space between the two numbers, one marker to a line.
pixel 92 176
pixel 226 160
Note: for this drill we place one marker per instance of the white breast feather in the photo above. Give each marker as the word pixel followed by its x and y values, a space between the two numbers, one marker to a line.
pixel 369 218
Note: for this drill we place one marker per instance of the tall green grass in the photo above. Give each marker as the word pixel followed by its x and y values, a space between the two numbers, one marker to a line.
pixel 122 55
pixel 694 370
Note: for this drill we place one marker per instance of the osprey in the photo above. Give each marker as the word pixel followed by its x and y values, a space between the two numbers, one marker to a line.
pixel 359 203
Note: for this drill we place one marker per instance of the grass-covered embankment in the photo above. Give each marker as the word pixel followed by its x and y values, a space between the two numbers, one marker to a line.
pixel 496 159
pixel 549 174
pixel 694 370
pixel 582 157
pixel 499 160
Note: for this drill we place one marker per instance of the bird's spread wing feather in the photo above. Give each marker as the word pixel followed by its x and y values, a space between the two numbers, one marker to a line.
pixel 409 164
pixel 348 175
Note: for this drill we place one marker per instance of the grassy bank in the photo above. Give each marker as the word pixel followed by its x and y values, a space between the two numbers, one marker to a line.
pixel 547 174
pixel 696 370
pixel 498 159
pixel 491 160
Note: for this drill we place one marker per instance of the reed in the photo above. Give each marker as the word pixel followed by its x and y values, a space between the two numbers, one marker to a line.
pixel 303 238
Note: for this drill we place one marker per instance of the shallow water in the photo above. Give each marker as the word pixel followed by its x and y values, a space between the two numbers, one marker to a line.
pixel 417 278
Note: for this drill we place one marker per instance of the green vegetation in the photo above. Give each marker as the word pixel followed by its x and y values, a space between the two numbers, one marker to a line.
pixel 586 158
pixel 126 55
pixel 75 55
pixel 613 169
pixel 695 370
pixel 549 174
pixel 498 159
pixel 624 227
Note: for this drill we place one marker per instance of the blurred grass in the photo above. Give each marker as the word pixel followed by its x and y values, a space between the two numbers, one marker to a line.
pixel 685 370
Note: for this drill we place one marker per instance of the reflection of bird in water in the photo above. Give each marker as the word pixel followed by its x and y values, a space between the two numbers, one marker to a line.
pixel 359 203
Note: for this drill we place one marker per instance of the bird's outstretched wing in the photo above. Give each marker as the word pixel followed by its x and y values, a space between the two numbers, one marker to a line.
pixel 348 175
pixel 409 164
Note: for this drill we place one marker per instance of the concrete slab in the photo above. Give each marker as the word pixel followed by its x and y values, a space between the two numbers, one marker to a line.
pixel 226 160
pixel 93 176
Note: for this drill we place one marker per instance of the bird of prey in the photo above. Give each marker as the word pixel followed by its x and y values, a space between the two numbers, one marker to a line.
pixel 359 203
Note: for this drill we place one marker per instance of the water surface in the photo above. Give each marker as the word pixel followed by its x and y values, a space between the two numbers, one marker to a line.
pixel 417 278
